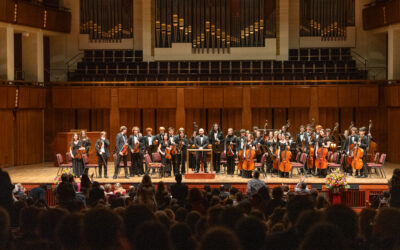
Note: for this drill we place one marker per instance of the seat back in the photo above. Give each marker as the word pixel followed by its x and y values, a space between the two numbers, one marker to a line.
pixel 68 157
pixel 264 158
pixel 342 159
pixel 382 159
pixel 115 157
pixel 85 158
pixel 303 158
pixel 335 157
pixel 376 158
pixel 156 157
pixel 147 159
pixel 298 156
pixel 59 159
pixel 223 156
pixel 329 155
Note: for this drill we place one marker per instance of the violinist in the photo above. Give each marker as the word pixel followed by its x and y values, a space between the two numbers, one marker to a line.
pixel 285 131
pixel 302 140
pixel 160 135
pixel 136 144
pixel 241 141
pixel 173 142
pixel 165 153
pixel 230 151
pixel 216 138
pixel 283 146
pixel 343 149
pixel 192 158
pixel 363 143
pixel 255 129
pixel 271 144
pixel 201 142
pixel 182 130
pixel 259 142
pixel 120 142
pixel 182 147
pixel 76 149
pixel 328 134
pixel 103 153
pixel 149 141
pixel 86 143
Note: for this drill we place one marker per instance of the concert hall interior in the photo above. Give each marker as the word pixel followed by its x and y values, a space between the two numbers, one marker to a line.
pixel 218 92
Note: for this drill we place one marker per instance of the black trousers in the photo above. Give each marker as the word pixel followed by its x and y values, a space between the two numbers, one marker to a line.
pixel 182 162
pixel 192 161
pixel 174 163
pixel 101 164
pixel 124 158
pixel 137 164
pixel 167 164
pixel 230 162
pixel 216 161
pixel 201 155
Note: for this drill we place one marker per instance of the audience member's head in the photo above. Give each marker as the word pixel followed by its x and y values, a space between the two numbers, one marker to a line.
pixel 219 238
pixel 324 236
pixel 4 228
pixel 345 219
pixel 306 220
pixel 178 178
pixel 134 217
pixel 151 235
pixel 386 233
pixel 251 232
pixel 69 231
pixel 192 218
pixel 181 237
pixel 230 216
pixel 48 222
pixel 277 193
pixel 366 220
pixel 296 206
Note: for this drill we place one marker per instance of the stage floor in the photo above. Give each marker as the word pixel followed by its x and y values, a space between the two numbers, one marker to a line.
pixel 46 172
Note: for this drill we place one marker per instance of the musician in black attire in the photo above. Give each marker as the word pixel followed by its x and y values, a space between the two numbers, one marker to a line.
pixel 259 142
pixel 86 143
pixel 173 141
pixel 230 151
pixel 216 138
pixel 102 153
pixel 364 143
pixel 317 135
pixel 77 160
pixel 343 148
pixel 192 158
pixel 271 147
pixel 160 136
pixel 352 140
pixel 136 146
pixel 149 141
pixel 162 146
pixel 182 147
pixel 241 141
pixel 120 141
pixel 201 142
pixel 301 140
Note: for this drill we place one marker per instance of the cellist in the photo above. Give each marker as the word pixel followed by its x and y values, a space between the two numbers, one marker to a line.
pixel 284 155
pixel 321 163
pixel 352 140
pixel 241 142
pixel 363 143
pixel 248 156
pixel 230 151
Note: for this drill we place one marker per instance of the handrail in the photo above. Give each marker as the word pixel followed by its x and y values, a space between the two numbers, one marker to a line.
pixel 74 60
pixel 360 59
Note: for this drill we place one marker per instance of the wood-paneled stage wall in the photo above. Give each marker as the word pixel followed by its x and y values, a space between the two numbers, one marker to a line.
pixel 28 131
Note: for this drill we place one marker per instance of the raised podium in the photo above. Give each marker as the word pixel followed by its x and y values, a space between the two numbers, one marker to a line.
pixel 201 174
pixel 62 139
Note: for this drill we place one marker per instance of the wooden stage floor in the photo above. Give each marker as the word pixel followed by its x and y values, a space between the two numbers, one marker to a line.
pixel 46 172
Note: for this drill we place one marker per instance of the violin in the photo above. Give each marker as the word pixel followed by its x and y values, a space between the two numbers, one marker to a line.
pixel 230 151
pixel 174 150
pixel 248 161
pixel 258 149
pixel 285 166
pixel 125 149
pixel 358 154
pixel 136 147
pixel 168 153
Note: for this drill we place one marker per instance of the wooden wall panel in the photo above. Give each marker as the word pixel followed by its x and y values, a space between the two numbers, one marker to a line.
pixel 368 96
pixel 194 115
pixel 346 117
pixel 214 116
pixel 392 96
pixel 61 97
pixel 213 97
pixel 81 98
pixel 233 97
pixel 7 135
pixel 328 117
pixel 297 117
pixel 7 97
pixel 393 145
pixel 100 120
pixel 327 97
pixel 260 97
pixel 260 115
pixel 101 98
pixel 280 97
pixel 147 98
pixel 348 96
pixel 127 98
pixel 232 118
pixel 300 97
pixel 30 137
pixel 280 117
pixel 32 98
pixel 166 118
pixel 166 98
pixel 130 118
pixel 149 120
pixel 83 119
pixel 194 97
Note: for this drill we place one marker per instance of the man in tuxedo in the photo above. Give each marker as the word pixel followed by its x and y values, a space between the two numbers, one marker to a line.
pixel 136 145
pixel 102 152
pixel 201 142
pixel 148 141
pixel 216 137
pixel 120 141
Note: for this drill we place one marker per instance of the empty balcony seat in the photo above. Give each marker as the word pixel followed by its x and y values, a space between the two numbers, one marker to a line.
pixel 329 67
pixel 225 67
pixel 111 68
pixel 153 68
pixel 163 68
pixel 101 68
pixel 298 66
pixel 98 55
pixel 205 67
pixel 173 68
pixel 91 68
pixel 122 68
pixel 335 54
pixel 293 54
pixel 128 55
pixel 340 67
pixel 194 68
pixel 256 67
pixel 118 56
pixel 266 67
pixel 309 67
pixel 324 54
pixel 304 55
pixel 235 67
pixel 287 67
pixel 108 56
pixel 184 68
pixel 314 55
pixel 138 55
pixel 132 68
pixel 215 67
pixel 142 68
pixel 246 67
pixel 277 67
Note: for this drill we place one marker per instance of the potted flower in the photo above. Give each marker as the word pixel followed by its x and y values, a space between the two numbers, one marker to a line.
pixel 335 182
pixel 57 180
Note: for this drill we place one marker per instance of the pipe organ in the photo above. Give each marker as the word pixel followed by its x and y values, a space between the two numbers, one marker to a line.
pixel 214 25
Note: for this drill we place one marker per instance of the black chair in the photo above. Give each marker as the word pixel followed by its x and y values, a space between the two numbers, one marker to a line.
pixel 194 68
pixel 340 67
pixel 298 66
pixel 163 68
pixel 98 56
pixel 314 54
pixel 277 67
pixel 324 54
pixel 138 55
pixel 256 67
pixel 351 66
pixel 153 68
pixel 335 54
pixel 108 56
pixel 122 68
pixel 287 67
pixel 132 68
pixel 329 67
pixel 345 54
pixel 142 68
pixel 225 67
pixel 266 67
pixel 309 67
pixel 81 68
pixel 101 68
pixel 91 68
pixel 246 67
pixel 319 67
pixel 88 55
pixel 111 68
pixel 118 56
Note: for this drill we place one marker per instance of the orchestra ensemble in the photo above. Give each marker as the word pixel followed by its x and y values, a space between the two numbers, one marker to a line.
pixel 271 151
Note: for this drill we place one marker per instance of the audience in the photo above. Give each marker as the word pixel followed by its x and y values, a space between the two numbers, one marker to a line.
pixel 255 184
pixel 181 219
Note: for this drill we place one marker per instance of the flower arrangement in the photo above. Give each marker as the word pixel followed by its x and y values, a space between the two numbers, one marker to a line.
pixel 57 180
pixel 336 180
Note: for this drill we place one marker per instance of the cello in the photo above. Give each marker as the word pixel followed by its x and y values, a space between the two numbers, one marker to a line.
pixel 285 166
pixel 372 146
pixel 358 154
pixel 321 161
pixel 248 161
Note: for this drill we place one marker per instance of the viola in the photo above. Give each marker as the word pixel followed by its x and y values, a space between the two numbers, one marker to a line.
pixel 321 161
pixel 248 161
pixel 258 149
pixel 357 163
pixel 350 157
pixel 285 166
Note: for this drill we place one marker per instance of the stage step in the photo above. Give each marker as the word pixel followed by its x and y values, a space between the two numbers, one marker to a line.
pixel 200 176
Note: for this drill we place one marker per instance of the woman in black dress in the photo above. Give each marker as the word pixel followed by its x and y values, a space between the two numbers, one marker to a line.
pixel 164 144
pixel 77 150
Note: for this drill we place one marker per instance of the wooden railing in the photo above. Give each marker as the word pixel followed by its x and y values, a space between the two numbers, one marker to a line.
pixel 381 14
pixel 34 15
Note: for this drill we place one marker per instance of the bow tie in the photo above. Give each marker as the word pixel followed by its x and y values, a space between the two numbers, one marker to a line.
pixel 201 136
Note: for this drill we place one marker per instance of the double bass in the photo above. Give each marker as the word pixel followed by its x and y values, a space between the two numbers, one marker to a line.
pixel 248 158
pixel 311 150
pixel 372 146
pixel 285 166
